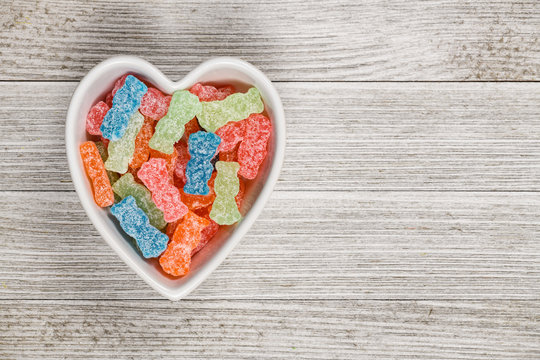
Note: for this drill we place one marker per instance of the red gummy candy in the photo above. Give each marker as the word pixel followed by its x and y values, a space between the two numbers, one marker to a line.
pixel 240 196
pixel 207 234
pixel 181 162
pixel 210 93
pixel 176 259
pixel 95 118
pixel 231 134
pixel 95 169
pixel 155 176
pixel 142 149
pixel 252 149
pixel 154 104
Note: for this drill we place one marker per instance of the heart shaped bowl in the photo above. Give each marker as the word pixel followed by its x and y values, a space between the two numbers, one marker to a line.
pixel 225 70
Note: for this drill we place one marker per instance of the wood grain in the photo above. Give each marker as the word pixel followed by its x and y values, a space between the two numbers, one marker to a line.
pixel 369 136
pixel 270 330
pixel 305 245
pixel 334 40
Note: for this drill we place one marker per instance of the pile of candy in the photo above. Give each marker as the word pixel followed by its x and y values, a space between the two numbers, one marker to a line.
pixel 174 167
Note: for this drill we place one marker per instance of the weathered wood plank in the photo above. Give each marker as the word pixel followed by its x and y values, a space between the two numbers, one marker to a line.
pixel 370 136
pixel 305 245
pixel 270 330
pixel 289 40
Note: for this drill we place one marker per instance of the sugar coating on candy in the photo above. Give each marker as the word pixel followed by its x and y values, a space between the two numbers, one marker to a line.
pixel 226 186
pixel 126 101
pixel 169 158
pixel 183 107
pixel 154 104
pixel 136 224
pixel 181 162
pixel 113 177
pixel 239 198
pixel 95 169
pixel 155 176
pixel 194 202
pixel 210 93
pixel 202 147
pixel 231 134
pixel 121 151
pixel 235 107
pixel 176 259
pixel 126 186
pixel 142 150
pixel 252 149
pixel 95 116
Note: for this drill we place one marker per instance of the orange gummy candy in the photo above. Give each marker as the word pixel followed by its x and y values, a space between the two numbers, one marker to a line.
pixel 176 260
pixel 142 150
pixel 95 169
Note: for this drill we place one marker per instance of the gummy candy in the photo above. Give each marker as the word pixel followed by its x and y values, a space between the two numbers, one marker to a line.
pixel 239 198
pixel 176 259
pixel 252 149
pixel 154 104
pixel 155 177
pixel 103 194
pixel 202 147
pixel 181 162
pixel 135 223
pixel 235 107
pixel 95 118
pixel 206 234
pixel 194 202
pixel 126 101
pixel 231 134
pixel 169 158
pixel 126 186
pixel 191 127
pixel 113 177
pixel 184 106
pixel 225 210
pixel 142 150
pixel 210 93
pixel 229 155
pixel 121 150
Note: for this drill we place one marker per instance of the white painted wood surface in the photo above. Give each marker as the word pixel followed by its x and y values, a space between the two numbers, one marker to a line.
pixel 405 223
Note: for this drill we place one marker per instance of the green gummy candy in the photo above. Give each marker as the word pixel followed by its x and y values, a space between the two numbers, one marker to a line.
pixel 121 150
pixel 126 186
pixel 113 177
pixel 235 107
pixel 226 186
pixel 184 106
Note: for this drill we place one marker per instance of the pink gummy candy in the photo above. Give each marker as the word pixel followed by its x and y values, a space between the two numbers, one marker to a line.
pixel 95 118
pixel 154 104
pixel 210 93
pixel 155 176
pixel 252 149
pixel 231 134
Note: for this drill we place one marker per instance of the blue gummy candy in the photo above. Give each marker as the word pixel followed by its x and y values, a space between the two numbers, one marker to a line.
pixel 202 147
pixel 135 223
pixel 125 102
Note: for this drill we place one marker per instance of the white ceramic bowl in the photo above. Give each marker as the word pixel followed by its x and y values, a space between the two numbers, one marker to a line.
pixel 93 88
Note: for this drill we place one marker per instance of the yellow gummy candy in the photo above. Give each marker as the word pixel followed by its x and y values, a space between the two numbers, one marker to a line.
pixel 226 186
pixel 235 107
pixel 121 150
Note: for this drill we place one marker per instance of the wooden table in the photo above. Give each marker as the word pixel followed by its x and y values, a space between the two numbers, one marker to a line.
pixel 405 224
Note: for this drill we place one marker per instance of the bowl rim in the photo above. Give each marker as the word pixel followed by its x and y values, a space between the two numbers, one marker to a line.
pixel 156 77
